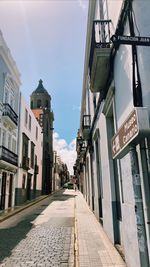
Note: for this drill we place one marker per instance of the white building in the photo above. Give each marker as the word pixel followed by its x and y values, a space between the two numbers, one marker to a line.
pixel 9 102
pixel 29 175
pixel 114 150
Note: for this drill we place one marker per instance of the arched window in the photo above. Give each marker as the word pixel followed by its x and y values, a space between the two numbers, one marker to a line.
pixel 39 103
pixel 46 103
pixel 31 104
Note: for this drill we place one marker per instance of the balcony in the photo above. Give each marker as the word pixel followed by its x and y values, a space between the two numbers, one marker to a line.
pixel 99 61
pixel 8 156
pixel 25 163
pixel 36 169
pixel 10 114
pixel 86 125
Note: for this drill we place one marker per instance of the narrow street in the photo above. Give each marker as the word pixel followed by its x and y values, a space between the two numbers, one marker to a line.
pixel 59 231
pixel 42 235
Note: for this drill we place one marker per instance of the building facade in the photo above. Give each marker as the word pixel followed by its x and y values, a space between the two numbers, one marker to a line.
pixel 113 149
pixel 29 174
pixel 9 110
pixel 60 172
pixel 40 103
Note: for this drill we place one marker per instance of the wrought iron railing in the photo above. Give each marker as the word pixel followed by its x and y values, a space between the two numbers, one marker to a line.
pixel 100 37
pixel 8 111
pixel 8 156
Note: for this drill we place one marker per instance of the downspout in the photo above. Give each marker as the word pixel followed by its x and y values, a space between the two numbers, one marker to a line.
pixel 136 178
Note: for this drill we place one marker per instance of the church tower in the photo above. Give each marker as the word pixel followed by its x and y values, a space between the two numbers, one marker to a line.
pixel 40 103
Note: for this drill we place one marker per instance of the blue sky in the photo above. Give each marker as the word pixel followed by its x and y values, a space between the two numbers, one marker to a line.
pixel 47 41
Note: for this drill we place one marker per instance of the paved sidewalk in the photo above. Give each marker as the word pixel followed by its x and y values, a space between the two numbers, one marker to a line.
pixel 94 247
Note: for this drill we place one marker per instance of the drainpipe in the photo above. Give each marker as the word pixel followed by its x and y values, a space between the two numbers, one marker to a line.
pixel 139 211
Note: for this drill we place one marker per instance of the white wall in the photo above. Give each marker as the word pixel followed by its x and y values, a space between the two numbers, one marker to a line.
pixel 31 134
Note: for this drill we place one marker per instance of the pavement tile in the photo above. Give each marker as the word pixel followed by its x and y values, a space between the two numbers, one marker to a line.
pixel 94 247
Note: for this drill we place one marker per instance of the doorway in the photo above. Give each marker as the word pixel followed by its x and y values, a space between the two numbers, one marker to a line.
pixel 3 191
pixel 29 176
pixel 116 181
pixel 10 191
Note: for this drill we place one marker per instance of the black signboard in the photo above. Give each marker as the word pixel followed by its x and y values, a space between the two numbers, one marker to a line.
pixel 130 40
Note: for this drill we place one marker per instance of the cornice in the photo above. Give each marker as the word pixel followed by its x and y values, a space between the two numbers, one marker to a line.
pixel 11 64
pixel 91 14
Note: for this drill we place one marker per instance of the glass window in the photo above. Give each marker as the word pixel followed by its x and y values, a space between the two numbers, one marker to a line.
pixel 6 96
pixel 46 103
pixel 12 102
pixel 4 138
pixel 25 146
pixel 0 136
pixel 32 154
pixel 31 104
pixel 14 145
pixel 9 142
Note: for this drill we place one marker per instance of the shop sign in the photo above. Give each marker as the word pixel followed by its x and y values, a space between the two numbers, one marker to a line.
pixel 136 124
pixel 130 40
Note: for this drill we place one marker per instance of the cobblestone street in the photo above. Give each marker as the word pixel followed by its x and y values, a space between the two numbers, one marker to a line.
pixel 43 235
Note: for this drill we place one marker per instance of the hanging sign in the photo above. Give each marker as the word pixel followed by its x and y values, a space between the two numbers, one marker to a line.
pixel 130 40
pixel 135 127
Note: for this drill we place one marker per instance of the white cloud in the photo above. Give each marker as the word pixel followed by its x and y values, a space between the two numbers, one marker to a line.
pixel 66 151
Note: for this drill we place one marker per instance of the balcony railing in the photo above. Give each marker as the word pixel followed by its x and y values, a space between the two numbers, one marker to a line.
pixel 8 156
pixel 8 111
pixel 25 163
pixel 99 52
pixel 86 125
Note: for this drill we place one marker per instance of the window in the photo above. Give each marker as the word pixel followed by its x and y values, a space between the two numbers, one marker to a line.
pixel 39 103
pixel 32 154
pixel 23 181
pixel 36 133
pixel 9 141
pixel 12 102
pixel 6 96
pixel 0 136
pixel 14 146
pixel 4 138
pixel 31 104
pixel 41 120
pixel 25 146
pixel 46 103
pixel 30 122
pixel 26 117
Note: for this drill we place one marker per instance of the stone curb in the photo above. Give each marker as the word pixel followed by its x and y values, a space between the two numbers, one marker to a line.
pixel 76 260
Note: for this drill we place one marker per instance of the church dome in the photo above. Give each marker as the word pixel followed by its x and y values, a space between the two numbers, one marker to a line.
pixel 40 89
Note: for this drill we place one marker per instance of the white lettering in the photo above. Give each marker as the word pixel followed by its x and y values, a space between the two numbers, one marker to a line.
pixel 130 122
pixel 130 134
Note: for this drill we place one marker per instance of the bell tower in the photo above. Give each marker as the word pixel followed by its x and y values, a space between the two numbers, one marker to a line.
pixel 40 103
